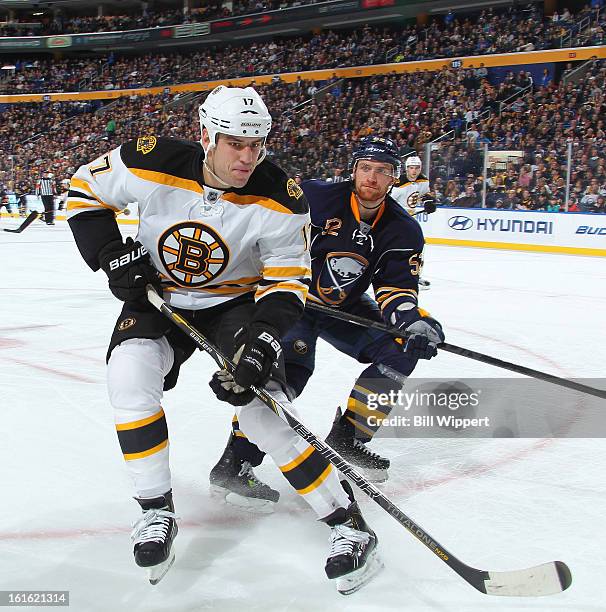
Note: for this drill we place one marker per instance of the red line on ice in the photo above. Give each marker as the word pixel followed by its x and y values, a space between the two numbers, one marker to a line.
pixel 226 519
pixel 44 368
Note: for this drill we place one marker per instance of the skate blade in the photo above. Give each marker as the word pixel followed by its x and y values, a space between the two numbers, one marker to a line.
pixel 375 475
pixel 157 572
pixel 354 581
pixel 248 504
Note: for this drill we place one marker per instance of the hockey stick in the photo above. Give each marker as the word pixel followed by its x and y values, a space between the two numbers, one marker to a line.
pixel 458 350
pixel 28 221
pixel 544 579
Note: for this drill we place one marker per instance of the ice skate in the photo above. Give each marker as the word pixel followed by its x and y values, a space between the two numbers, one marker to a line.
pixel 236 482
pixel 342 439
pixel 353 559
pixel 153 536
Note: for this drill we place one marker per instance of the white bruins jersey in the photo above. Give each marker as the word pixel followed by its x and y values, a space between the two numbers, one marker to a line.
pixel 408 195
pixel 210 246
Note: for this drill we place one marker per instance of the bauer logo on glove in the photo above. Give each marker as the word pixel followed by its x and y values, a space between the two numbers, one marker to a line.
pixel 127 258
pixel 129 269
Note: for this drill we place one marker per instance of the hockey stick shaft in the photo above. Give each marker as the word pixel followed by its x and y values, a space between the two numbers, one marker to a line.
pixel 463 352
pixel 479 579
pixel 28 221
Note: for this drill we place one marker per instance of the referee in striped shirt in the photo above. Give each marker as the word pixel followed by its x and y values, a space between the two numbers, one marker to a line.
pixel 45 188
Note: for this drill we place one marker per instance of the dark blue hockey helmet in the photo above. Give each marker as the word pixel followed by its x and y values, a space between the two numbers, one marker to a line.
pixel 379 149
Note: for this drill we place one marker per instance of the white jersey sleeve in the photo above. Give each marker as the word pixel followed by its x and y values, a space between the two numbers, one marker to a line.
pixel 101 184
pixel 285 258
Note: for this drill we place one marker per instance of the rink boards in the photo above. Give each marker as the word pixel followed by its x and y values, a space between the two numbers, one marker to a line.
pixel 571 233
pixel 518 230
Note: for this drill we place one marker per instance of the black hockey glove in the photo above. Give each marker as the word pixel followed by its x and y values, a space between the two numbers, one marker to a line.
pixel 224 387
pixel 429 204
pixel 257 347
pixel 129 269
pixel 425 332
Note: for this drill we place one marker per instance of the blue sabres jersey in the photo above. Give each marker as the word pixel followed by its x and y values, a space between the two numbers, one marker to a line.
pixel 350 255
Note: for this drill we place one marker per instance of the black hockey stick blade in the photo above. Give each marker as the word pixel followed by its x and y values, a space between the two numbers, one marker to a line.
pixel 545 579
pixel 28 221
pixel 463 352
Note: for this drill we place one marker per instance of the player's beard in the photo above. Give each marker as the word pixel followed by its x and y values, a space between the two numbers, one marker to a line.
pixel 371 196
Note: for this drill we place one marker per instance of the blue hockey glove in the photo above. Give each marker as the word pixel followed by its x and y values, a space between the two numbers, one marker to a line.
pixel 425 332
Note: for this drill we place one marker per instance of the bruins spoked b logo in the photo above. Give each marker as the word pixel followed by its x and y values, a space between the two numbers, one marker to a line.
pixel 193 253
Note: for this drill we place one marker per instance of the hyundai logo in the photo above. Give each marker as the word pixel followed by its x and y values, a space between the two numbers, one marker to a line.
pixel 460 222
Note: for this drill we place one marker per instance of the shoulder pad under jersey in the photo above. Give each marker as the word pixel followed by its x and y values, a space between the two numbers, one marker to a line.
pixel 166 155
pixel 270 182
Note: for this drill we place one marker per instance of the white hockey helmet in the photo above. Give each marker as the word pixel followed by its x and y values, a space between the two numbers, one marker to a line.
pixel 413 160
pixel 236 112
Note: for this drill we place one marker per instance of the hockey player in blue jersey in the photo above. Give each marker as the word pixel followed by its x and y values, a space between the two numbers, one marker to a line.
pixel 360 238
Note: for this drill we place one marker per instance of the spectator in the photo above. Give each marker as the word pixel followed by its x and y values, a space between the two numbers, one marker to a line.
pixel 468 199
pixel 110 130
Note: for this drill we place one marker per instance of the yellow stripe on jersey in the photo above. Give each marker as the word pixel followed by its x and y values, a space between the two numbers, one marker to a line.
pixel 243 200
pixel 278 272
pixel 385 294
pixel 394 297
pixel 214 291
pixel 365 430
pixel 147 453
pixel 73 204
pixel 360 408
pixel 167 179
pixel 295 462
pixel 299 288
pixel 86 188
pixel 361 389
pixel 317 482
pixel 83 186
pixel 140 423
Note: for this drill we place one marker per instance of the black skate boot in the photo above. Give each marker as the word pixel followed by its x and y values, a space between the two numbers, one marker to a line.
pixel 236 483
pixel 353 560
pixel 153 536
pixel 342 439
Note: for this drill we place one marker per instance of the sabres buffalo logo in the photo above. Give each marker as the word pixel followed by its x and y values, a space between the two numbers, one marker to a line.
pixel 340 270
pixel 300 346
pixel 193 253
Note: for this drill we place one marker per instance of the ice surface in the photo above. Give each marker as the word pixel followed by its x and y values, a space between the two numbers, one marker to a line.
pixel 497 504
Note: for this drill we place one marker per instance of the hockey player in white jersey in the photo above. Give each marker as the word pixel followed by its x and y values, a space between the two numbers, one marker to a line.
pixel 224 236
pixel 413 194
pixel 409 194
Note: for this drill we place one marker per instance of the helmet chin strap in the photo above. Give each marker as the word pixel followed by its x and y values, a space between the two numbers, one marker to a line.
pixel 222 183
